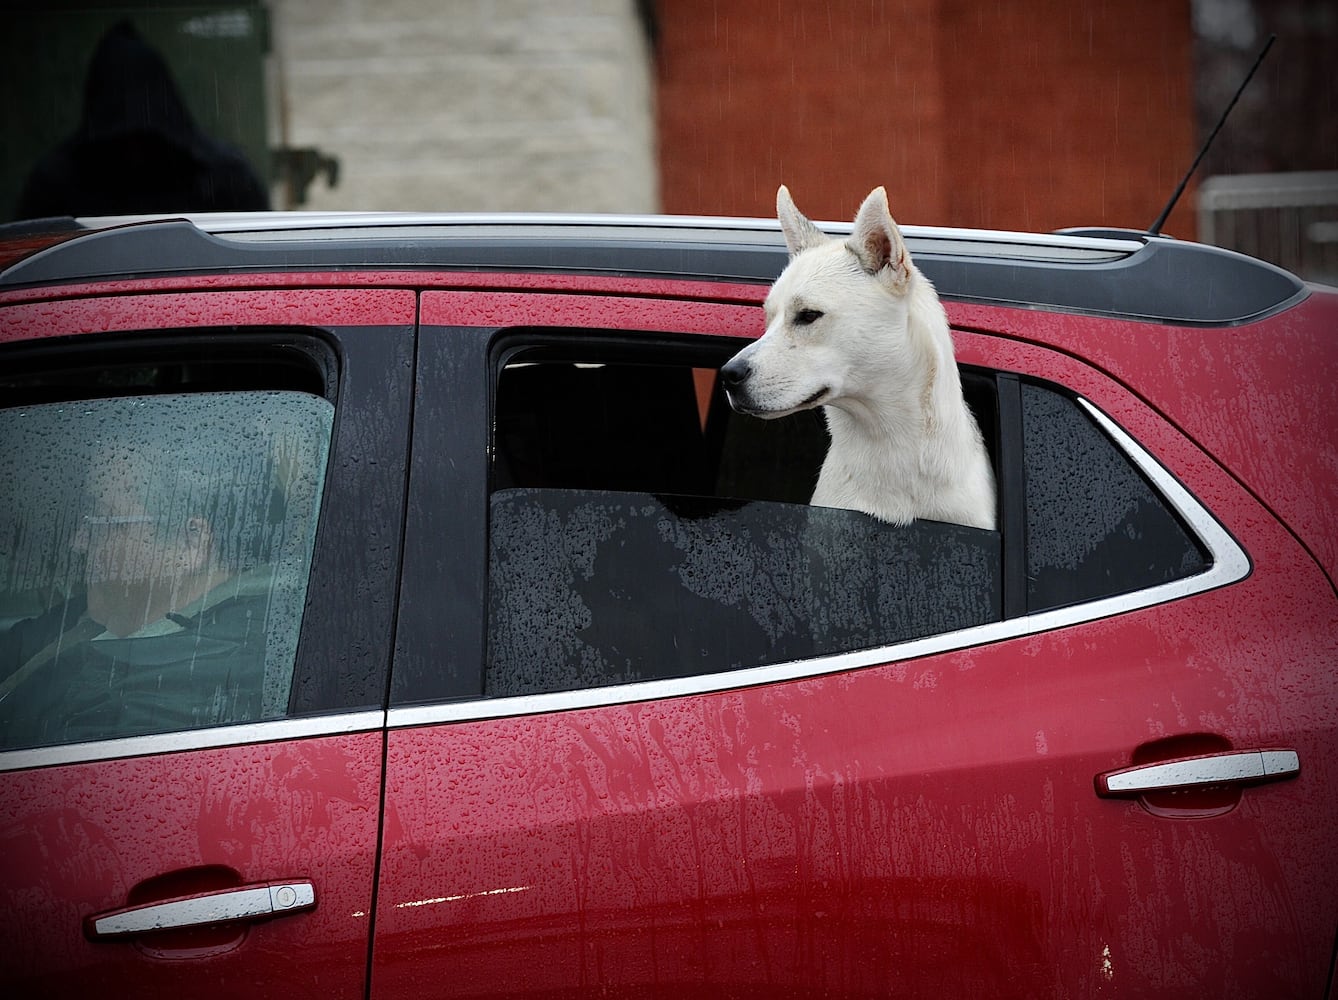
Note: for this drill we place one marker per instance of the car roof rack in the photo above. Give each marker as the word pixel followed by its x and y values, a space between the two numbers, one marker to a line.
pixel 1116 273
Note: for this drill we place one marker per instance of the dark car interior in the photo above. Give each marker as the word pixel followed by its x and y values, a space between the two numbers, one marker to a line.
pixel 616 421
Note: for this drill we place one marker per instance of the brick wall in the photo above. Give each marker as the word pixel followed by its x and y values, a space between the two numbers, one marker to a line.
pixel 754 93
pixel 1035 115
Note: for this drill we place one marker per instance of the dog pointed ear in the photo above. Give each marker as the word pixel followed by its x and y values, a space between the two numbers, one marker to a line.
pixel 876 241
pixel 800 234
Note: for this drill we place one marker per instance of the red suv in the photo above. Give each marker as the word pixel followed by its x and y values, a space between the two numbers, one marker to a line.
pixel 392 606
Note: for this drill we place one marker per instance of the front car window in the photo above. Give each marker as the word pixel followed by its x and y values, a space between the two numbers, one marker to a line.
pixel 154 555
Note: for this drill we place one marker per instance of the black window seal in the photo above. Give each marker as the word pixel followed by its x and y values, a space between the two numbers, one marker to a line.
pixel 204 345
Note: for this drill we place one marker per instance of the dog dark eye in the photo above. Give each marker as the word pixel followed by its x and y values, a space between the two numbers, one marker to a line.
pixel 806 316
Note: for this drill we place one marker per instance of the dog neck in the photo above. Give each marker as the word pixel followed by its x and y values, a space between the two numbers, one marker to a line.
pixel 901 455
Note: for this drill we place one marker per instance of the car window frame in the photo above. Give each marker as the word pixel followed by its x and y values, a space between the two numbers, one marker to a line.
pixel 337 686
pixel 418 696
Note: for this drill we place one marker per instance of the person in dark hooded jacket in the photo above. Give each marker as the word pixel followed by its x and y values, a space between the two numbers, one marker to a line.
pixel 137 149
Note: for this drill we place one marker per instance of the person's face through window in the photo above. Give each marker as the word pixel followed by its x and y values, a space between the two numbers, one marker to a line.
pixel 139 564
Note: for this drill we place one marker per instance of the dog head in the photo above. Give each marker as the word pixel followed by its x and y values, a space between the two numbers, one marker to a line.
pixel 836 316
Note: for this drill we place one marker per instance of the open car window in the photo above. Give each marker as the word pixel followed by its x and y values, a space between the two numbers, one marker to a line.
pixel 640 529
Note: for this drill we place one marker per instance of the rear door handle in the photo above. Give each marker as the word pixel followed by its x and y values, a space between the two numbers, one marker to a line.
pixel 1232 767
pixel 245 902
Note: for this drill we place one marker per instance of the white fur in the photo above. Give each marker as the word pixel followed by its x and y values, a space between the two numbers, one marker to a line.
pixel 879 360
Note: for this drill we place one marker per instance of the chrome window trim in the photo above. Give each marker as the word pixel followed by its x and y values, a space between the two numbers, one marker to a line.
pixel 272 731
pixel 1229 565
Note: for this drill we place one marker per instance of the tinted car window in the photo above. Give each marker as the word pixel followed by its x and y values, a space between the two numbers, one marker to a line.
pixel 154 554
pixel 1095 527
pixel 596 588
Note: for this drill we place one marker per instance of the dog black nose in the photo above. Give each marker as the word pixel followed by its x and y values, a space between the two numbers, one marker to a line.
pixel 735 373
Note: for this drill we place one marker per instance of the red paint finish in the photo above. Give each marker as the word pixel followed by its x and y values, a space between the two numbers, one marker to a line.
pixel 276 307
pixel 917 828
pixel 603 312
pixel 1261 398
pixel 17 248
pixel 87 838
pixel 924 828
pixel 583 284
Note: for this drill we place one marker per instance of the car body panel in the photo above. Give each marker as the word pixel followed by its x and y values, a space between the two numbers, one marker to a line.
pixel 82 839
pixel 782 838
pixel 929 825
pixel 499 309
pixel 370 277
pixel 300 307
pixel 1261 397
pixel 917 820
pixel 92 828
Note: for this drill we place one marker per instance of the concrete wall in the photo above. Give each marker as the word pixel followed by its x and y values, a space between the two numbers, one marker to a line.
pixel 469 105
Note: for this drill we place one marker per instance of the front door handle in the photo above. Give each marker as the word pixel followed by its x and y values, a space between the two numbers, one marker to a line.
pixel 1232 767
pixel 205 909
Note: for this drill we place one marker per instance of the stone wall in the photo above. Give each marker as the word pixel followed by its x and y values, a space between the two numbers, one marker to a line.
pixel 468 105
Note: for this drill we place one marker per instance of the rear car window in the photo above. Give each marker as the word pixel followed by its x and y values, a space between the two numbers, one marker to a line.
pixel 639 529
pixel 154 556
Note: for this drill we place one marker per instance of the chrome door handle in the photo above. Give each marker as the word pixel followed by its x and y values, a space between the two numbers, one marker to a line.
pixel 1232 767
pixel 244 902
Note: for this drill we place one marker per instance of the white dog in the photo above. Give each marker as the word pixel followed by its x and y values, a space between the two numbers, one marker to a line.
pixel 855 328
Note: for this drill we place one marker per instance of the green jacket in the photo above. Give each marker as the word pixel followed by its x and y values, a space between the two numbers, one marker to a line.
pixel 207 671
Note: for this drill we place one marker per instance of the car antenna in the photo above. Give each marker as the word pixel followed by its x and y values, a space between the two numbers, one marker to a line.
pixel 1155 228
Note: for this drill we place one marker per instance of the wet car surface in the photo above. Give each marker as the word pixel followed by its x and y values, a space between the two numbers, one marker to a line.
pixel 501 658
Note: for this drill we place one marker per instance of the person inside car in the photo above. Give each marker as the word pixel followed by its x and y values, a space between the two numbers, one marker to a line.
pixel 169 629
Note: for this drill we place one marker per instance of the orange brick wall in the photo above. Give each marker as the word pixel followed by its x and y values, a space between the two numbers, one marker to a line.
pixel 1032 115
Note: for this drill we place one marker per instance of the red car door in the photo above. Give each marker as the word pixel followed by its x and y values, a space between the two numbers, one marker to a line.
pixel 1111 777
pixel 180 817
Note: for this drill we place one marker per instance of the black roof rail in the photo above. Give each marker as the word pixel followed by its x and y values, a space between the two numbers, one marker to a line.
pixel 1121 274
pixel 1107 233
